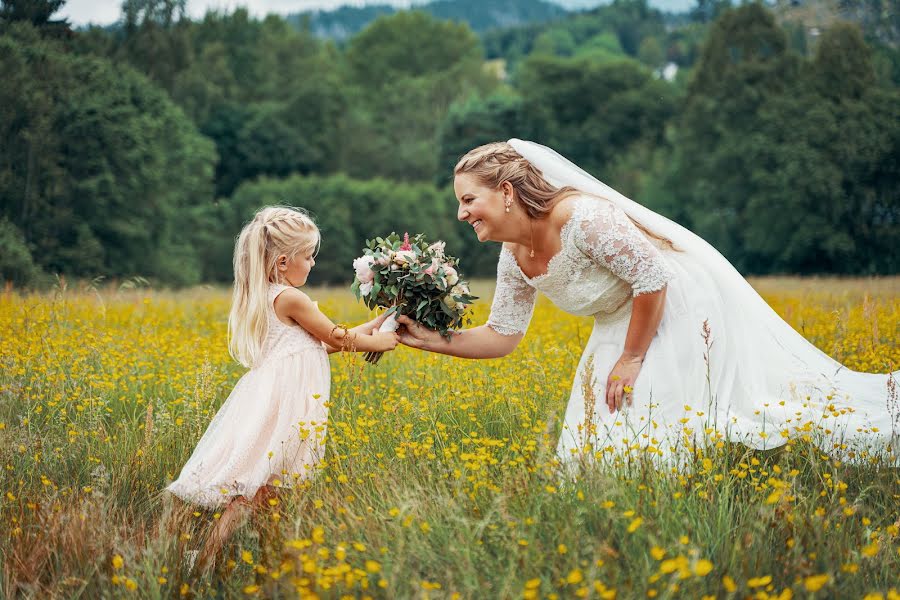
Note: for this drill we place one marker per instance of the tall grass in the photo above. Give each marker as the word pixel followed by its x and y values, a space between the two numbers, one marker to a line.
pixel 440 478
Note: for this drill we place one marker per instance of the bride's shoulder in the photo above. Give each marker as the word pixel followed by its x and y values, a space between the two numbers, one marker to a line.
pixel 563 210
pixel 572 205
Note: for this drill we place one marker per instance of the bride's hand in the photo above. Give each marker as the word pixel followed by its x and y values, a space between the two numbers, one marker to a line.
pixel 413 334
pixel 623 375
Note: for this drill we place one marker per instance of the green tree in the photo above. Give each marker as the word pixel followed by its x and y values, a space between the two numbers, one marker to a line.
pixel 156 39
pixel 603 47
pixel 743 64
pixel 474 122
pixel 36 12
pixel 405 71
pixel 789 165
pixel 97 167
pixel 843 63
pixel 651 52
pixel 633 20
pixel 16 264
pixel 555 42
pixel 707 11
pixel 593 112
pixel 348 212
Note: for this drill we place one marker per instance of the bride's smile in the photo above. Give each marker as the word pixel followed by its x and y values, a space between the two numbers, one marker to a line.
pixel 480 207
pixel 492 213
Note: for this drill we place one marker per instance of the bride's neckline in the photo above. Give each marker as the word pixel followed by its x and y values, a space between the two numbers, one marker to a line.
pixel 563 231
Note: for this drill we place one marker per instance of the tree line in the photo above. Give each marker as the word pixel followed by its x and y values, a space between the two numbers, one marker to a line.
pixel 140 149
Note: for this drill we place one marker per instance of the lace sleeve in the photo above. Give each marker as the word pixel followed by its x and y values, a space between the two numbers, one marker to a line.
pixel 605 233
pixel 513 298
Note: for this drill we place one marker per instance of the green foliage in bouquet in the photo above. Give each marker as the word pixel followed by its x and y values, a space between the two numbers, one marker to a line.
pixel 415 278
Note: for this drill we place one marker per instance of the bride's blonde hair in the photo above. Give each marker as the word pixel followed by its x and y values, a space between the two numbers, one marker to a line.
pixel 498 162
pixel 273 231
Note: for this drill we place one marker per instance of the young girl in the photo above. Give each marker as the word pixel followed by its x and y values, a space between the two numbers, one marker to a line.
pixel 271 429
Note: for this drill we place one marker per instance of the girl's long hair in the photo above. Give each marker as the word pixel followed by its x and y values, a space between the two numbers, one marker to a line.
pixel 497 162
pixel 273 231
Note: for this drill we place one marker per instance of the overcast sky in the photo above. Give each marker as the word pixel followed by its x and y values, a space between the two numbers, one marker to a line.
pixel 103 12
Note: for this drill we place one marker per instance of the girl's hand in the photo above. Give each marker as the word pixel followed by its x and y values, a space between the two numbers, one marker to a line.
pixel 385 341
pixel 623 375
pixel 369 327
pixel 414 335
pixel 373 325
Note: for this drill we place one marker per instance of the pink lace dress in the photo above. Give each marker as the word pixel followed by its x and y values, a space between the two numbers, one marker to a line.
pixel 271 427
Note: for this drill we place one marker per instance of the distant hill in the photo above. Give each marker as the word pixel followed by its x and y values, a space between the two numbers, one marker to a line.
pixel 481 15
pixel 879 19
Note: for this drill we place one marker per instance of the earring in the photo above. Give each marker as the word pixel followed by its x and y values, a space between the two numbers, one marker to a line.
pixel 508 204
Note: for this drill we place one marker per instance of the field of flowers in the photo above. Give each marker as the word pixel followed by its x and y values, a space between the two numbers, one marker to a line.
pixel 439 479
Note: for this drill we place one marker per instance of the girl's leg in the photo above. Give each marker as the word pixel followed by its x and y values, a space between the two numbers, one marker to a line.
pixel 231 518
pixel 228 521
pixel 266 530
pixel 261 500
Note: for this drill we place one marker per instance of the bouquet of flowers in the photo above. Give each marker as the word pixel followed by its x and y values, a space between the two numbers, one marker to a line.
pixel 414 278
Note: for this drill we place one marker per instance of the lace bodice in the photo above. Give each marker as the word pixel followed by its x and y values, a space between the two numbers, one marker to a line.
pixel 282 339
pixel 604 261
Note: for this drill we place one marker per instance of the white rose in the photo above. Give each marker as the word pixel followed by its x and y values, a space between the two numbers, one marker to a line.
pixel 404 257
pixel 460 290
pixel 363 268
pixel 366 288
pixel 451 274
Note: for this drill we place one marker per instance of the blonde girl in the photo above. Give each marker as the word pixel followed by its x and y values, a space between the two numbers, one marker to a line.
pixel 270 431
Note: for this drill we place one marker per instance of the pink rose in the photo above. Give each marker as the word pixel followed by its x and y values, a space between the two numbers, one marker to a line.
pixel 435 264
pixel 363 268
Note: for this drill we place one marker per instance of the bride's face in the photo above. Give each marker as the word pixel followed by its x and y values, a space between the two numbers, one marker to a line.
pixel 481 207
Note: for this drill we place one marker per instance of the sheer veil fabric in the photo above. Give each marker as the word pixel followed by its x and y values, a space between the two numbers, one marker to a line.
pixel 752 378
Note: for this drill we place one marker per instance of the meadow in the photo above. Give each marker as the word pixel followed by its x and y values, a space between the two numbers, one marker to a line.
pixel 440 478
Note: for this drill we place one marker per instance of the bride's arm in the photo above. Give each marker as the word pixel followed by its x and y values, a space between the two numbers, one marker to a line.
pixel 609 237
pixel 646 314
pixel 478 342
pixel 510 315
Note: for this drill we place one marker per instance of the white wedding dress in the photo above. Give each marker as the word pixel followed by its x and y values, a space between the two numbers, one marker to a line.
pixel 751 379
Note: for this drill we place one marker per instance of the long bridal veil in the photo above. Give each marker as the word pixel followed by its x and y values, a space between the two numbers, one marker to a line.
pixel 760 367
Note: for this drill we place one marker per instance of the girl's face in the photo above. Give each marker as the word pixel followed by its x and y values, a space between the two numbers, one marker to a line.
pixel 482 207
pixel 295 271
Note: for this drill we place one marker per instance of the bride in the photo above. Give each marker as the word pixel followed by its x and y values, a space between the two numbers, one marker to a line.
pixel 683 350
